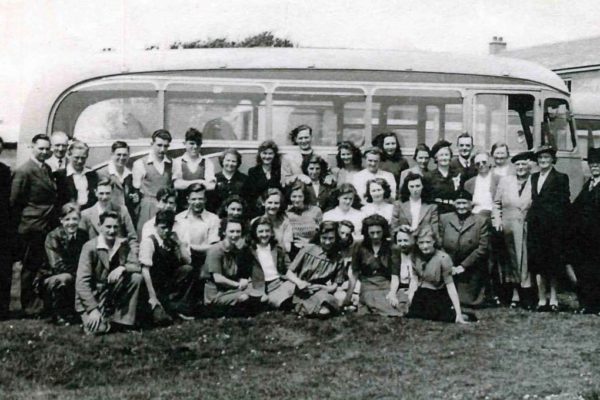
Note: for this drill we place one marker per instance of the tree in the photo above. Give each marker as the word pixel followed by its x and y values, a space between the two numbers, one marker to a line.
pixel 263 39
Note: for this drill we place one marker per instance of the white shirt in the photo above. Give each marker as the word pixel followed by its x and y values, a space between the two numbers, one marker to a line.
pixel 542 179
pixel 265 259
pixel 406 267
pixel 197 230
pixel 81 183
pixel 353 215
pixel 101 244
pixel 139 169
pixel 361 178
pixel 482 198
pixel 149 228
pixel 56 163
pixel 112 170
pixel 385 210
pixel 415 213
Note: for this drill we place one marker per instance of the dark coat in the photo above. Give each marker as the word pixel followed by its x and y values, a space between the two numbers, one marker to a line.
pixel 256 184
pixel 402 216
pixel 467 245
pixel 63 254
pixel 547 223
pixel 67 192
pixel 225 188
pixel 465 173
pixel 322 200
pixel 440 190
pixel 33 198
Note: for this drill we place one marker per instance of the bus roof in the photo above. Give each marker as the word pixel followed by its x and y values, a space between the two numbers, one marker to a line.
pixel 71 70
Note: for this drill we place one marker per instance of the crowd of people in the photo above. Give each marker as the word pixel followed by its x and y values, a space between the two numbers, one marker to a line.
pixel 174 240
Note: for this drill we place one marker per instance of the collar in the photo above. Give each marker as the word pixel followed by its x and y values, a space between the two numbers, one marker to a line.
pixel 464 161
pixel 152 160
pixel 37 162
pixel 186 158
pixel 189 214
pixel 71 170
pixel 545 173
pixel 112 170
pixel 158 239
pixel 102 245
pixel 99 208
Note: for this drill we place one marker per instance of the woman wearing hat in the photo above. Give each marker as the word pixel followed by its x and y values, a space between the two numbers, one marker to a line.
pixel 442 182
pixel 465 237
pixel 585 230
pixel 546 223
pixel 512 201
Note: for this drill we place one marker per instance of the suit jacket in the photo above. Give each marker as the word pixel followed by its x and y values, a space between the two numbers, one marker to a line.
pixel 63 254
pixel 33 198
pixel 90 222
pixel 551 204
pixel 427 216
pixel 321 200
pixel 95 264
pixel 280 259
pixel 465 173
pixel 67 192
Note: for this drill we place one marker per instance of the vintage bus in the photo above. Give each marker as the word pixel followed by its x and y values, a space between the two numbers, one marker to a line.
pixel 240 97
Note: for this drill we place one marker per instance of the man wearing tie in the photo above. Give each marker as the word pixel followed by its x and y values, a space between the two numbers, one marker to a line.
pixel 463 164
pixel 33 200
pixel 60 142
pixel 77 183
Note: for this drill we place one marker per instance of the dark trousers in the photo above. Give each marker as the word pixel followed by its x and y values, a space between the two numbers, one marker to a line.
pixel 5 281
pixel 33 257
pixel 59 294
pixel 177 288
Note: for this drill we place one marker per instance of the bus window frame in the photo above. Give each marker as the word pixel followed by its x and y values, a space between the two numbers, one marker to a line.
pixel 547 95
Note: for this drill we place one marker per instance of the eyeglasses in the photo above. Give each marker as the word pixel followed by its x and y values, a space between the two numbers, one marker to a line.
pixel 482 162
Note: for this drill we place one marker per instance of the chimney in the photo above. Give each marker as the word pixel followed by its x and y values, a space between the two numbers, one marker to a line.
pixel 497 45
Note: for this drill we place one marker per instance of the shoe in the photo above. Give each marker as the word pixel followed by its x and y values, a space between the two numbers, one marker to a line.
pixel 553 308
pixel 160 317
pixel 514 304
pixel 542 308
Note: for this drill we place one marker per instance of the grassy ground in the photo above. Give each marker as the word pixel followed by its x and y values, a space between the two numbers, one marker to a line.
pixel 509 354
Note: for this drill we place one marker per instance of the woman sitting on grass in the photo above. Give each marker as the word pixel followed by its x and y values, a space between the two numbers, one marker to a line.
pixel 432 293
pixel 376 263
pixel 275 210
pixel 317 271
pixel 268 263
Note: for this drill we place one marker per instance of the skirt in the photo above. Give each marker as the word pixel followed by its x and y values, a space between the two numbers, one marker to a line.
pixel 515 236
pixel 309 302
pixel 431 304
pixel 279 291
pixel 373 297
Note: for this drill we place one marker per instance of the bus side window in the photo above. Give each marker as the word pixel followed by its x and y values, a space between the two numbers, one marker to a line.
pixel 557 127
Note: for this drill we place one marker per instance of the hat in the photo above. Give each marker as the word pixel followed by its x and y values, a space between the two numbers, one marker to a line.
pixel 593 155
pixel 525 155
pixel 544 149
pixel 462 194
pixel 438 146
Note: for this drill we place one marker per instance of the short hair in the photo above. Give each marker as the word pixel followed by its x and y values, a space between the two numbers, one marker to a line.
pixel 374 220
pixel 421 147
pixel 78 145
pixel 373 150
pixel 355 151
pixel 105 181
pixel 68 208
pixel 463 136
pixel 427 231
pixel 380 139
pixel 166 217
pixel 119 144
pixel 269 145
pixel 387 190
pixel 59 133
pixel 193 135
pixel 226 221
pixel 497 145
pixel 234 198
pixel 315 159
pixel 262 220
pixel 161 134
pixel 294 132
pixel 109 214
pixel 411 176
pixel 40 136
pixel 165 192
pixel 233 152
pixel 296 185
pixel 195 188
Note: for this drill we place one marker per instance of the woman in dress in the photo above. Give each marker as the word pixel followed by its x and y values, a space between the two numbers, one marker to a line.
pixel 432 293
pixel 378 199
pixel 265 174
pixel 512 201
pixel 317 273
pixel 421 156
pixel 275 210
pixel 349 162
pixel 442 182
pixel 392 159
pixel 347 207
pixel 230 180
pixel 303 217
pixel 411 211
pixel 375 262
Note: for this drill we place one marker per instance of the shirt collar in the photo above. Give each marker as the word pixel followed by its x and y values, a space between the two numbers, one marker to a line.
pixel 71 170
pixel 158 239
pixel 112 170
pixel 37 162
pixel 102 245
pixel 203 215
pixel 152 160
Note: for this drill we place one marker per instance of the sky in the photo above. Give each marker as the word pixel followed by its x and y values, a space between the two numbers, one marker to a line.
pixel 36 30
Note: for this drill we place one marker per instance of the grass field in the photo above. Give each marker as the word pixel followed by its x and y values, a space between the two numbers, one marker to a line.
pixel 509 354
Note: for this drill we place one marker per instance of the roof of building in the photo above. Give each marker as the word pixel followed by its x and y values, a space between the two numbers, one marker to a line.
pixel 562 55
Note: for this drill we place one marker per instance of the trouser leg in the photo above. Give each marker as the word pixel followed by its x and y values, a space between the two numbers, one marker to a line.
pixel 122 297
pixel 60 292
pixel 33 256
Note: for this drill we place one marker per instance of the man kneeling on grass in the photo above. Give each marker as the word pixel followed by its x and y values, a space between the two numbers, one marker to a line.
pixel 169 277
pixel 108 280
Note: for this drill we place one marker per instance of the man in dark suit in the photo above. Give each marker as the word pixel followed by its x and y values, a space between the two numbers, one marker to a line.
pixel 6 238
pixel 546 226
pixel 463 164
pixel 33 202
pixel 77 183
pixel 584 231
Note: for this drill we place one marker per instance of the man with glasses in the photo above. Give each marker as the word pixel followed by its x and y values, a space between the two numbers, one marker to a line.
pixel 60 143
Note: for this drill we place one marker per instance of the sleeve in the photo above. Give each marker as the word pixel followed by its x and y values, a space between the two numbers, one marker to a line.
pixel 83 281
pixel 434 220
pixel 209 171
pixel 393 185
pixel 357 259
pixel 177 171
pixel 214 260
pixel 146 252
pixel 446 268
pixel 130 231
pixel 19 191
pixel 286 171
pixel 287 235
pixel 56 262
pixel 481 252
pixel 298 260
pixel 396 261
pixel 132 263
pixel 213 231
pixel 138 172
pixel 86 225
